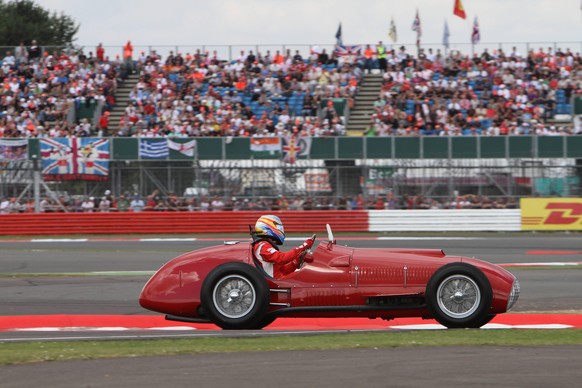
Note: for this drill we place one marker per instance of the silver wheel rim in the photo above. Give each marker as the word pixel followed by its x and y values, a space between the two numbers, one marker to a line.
pixel 458 296
pixel 234 296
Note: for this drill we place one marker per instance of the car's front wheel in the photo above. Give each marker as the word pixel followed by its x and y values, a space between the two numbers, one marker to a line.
pixel 459 296
pixel 235 296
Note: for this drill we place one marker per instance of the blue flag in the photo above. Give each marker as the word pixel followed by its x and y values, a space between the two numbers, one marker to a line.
pixel 153 149
pixel 338 36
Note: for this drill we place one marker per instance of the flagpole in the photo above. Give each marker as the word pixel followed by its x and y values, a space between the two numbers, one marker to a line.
pixel 417 28
pixel 36 182
pixel 446 35
pixel 418 37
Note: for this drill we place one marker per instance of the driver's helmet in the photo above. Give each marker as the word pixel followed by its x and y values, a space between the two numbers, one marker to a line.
pixel 270 226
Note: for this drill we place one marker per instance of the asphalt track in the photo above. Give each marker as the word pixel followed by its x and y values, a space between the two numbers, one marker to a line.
pixel 124 265
pixel 400 367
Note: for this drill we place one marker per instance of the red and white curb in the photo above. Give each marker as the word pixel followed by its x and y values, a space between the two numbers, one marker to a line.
pixel 117 323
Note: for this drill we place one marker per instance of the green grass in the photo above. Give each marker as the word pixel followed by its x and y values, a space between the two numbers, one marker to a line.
pixel 32 352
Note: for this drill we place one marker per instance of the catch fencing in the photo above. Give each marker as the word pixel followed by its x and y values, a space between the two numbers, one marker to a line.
pixel 233 52
pixel 439 168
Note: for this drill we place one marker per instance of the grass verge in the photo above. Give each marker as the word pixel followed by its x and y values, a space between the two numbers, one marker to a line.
pixel 32 352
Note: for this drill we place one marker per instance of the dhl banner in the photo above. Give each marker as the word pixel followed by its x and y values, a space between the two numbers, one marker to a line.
pixel 551 213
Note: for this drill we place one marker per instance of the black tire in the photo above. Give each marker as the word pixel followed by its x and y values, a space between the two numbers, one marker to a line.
pixel 459 295
pixel 266 321
pixel 485 321
pixel 235 296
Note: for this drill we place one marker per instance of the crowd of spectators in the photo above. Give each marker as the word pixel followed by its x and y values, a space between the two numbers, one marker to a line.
pixel 256 94
pixel 200 94
pixel 187 95
pixel 171 202
pixel 40 91
pixel 491 93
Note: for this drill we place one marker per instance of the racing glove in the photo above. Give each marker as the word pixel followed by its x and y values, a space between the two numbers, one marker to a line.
pixel 306 245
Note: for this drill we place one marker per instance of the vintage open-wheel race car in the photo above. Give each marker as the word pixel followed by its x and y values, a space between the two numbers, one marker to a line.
pixel 227 286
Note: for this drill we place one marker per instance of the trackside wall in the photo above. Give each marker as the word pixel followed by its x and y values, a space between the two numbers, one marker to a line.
pixel 175 222
pixel 461 220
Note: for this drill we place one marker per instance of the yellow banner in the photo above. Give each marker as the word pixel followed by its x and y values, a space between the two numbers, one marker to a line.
pixel 551 213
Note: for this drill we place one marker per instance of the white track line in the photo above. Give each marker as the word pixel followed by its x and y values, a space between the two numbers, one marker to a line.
pixel 59 240
pixel 166 239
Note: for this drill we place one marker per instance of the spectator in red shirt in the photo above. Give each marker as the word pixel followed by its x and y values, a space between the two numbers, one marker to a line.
pixel 100 53
pixel 104 125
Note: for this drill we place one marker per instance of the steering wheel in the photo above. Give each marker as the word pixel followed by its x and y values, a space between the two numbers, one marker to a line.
pixel 302 257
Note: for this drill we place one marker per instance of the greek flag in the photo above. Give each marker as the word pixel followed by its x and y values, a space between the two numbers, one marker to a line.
pixel 153 149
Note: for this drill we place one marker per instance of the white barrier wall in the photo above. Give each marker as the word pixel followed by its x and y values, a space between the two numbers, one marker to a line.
pixel 502 220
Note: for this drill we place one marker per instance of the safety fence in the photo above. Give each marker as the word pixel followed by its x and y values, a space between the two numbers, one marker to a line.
pixel 232 52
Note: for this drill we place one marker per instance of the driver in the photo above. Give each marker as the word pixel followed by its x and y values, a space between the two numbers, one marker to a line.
pixel 270 232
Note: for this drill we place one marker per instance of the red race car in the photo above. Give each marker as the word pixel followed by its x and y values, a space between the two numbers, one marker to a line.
pixel 226 286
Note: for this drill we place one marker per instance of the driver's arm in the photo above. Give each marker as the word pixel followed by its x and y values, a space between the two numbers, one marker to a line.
pixel 290 267
pixel 284 262
pixel 265 252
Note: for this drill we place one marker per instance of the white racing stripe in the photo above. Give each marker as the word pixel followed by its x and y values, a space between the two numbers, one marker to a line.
pixel 427 238
pixel 59 240
pixel 142 336
pixel 121 273
pixel 166 239
pixel 536 326
pixel 433 326
pixel 542 264
pixel 105 328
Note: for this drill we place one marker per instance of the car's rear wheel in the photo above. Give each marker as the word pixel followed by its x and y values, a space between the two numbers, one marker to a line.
pixel 235 296
pixel 459 296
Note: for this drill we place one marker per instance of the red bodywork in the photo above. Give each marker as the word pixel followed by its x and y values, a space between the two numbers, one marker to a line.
pixel 336 281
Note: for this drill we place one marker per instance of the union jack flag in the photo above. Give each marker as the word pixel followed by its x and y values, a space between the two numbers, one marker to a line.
pixel 416 25
pixel 75 159
pixel 475 34
pixel 347 50
pixel 13 149
pixel 295 147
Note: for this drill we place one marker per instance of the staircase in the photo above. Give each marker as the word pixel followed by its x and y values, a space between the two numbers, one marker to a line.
pixel 121 101
pixel 364 104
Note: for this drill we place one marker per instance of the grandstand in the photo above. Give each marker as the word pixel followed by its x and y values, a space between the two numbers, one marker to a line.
pixel 507 92
pixel 490 94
